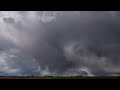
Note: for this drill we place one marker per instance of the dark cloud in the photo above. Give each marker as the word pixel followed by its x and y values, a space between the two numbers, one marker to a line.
pixel 66 43
pixel 9 20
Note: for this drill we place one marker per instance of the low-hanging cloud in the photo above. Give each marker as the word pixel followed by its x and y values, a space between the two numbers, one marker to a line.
pixel 60 43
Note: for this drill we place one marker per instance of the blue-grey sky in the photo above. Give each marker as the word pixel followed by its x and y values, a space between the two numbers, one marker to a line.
pixel 59 43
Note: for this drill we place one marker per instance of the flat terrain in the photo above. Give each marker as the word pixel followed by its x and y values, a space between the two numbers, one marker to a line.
pixel 56 77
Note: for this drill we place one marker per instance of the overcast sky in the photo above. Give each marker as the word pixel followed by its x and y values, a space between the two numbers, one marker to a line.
pixel 60 43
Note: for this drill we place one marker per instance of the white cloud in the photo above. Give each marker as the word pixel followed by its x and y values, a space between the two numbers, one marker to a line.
pixel 79 71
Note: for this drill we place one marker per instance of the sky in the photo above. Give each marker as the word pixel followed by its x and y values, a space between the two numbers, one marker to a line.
pixel 59 43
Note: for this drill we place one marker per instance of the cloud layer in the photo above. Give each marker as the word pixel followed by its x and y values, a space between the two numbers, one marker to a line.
pixel 59 43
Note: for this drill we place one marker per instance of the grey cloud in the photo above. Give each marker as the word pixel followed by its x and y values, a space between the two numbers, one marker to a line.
pixel 13 62
pixel 94 30
pixel 67 42
pixel 9 20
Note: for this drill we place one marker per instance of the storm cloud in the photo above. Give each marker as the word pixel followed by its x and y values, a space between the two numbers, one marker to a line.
pixel 59 43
